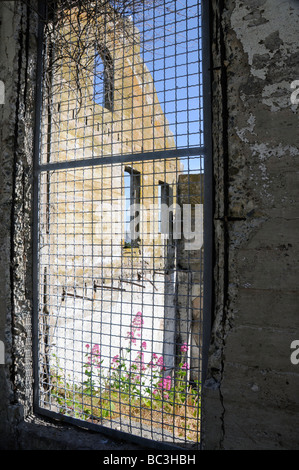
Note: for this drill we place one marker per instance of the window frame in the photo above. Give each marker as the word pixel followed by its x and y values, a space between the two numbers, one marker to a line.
pixel 208 224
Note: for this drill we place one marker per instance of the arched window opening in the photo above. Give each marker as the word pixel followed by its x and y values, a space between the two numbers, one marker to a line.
pixel 103 78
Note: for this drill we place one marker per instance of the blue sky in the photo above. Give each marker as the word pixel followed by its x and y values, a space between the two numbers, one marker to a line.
pixel 171 48
pixel 172 52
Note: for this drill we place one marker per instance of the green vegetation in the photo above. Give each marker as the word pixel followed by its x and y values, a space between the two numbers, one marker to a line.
pixel 132 390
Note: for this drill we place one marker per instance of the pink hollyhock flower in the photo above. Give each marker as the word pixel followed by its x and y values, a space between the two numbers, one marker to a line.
pixel 165 384
pixel 131 337
pixel 184 347
pixel 96 349
pixel 137 321
pixel 139 361
pixel 185 366
pixel 160 362
pixel 136 378
pixel 143 345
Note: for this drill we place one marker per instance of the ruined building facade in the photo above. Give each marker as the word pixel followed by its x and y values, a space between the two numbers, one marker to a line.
pixel 93 275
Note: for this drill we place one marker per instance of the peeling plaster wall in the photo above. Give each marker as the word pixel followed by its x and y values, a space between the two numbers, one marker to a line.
pixel 251 395
pixel 17 71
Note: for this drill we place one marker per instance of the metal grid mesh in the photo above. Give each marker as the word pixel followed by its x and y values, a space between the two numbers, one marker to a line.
pixel 120 254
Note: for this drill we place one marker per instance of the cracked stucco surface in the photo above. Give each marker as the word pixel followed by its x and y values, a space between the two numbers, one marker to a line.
pixel 251 399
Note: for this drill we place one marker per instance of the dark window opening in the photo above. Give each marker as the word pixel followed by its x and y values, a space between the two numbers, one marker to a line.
pixel 165 199
pixel 132 210
pixel 103 78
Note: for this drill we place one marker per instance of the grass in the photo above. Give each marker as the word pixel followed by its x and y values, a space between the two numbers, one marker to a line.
pixel 123 393
pixel 178 415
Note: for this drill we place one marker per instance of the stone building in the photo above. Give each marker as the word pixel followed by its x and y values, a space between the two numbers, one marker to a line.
pixel 250 396
pixel 97 276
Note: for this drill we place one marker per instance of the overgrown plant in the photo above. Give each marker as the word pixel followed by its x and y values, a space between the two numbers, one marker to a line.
pixel 141 387
pixel 76 31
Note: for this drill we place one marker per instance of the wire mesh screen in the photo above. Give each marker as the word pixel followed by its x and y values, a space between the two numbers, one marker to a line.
pixel 120 217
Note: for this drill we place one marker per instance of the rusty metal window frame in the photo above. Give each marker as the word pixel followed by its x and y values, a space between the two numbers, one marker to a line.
pixel 43 169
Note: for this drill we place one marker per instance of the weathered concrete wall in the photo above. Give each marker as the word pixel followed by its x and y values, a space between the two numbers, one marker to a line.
pixel 17 71
pixel 251 396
